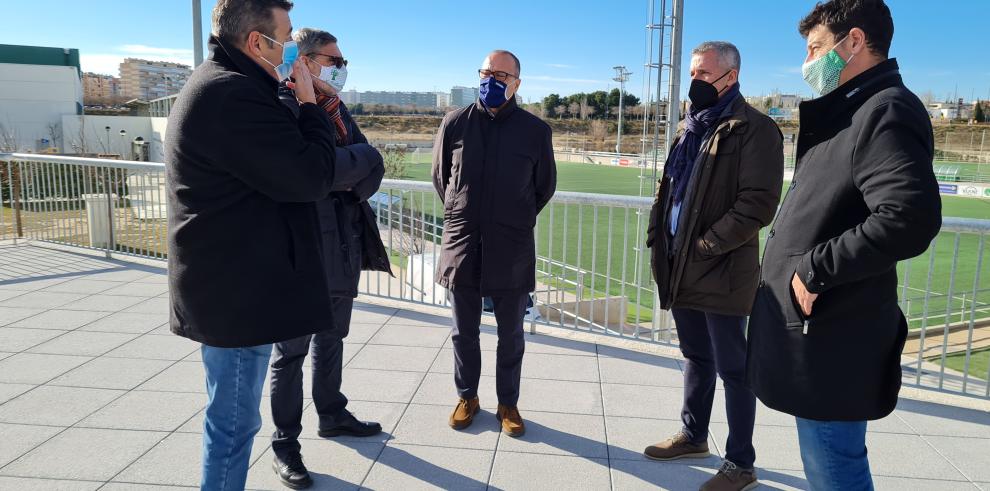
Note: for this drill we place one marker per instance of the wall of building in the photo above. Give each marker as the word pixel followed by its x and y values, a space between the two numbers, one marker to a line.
pixel 32 97
pixel 89 133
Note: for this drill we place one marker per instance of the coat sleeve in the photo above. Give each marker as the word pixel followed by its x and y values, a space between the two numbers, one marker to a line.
pixel 286 159
pixel 546 173
pixel 441 161
pixel 354 163
pixel 761 176
pixel 892 168
pixel 368 186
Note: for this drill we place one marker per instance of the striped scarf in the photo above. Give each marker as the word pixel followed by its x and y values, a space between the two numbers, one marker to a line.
pixel 331 104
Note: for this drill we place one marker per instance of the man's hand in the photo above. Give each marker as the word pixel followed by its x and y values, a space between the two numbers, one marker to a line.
pixel 304 82
pixel 804 298
pixel 320 85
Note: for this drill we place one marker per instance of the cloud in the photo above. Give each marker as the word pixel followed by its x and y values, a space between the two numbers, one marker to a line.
pixel 109 63
pixel 559 65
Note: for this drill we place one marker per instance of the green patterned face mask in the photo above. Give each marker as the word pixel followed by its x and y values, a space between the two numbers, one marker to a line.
pixel 823 73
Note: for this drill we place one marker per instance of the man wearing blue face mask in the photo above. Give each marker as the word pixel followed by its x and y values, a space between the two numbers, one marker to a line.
pixel 494 170
pixel 826 331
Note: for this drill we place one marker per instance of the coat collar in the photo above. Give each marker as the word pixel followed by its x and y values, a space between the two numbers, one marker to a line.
pixel 504 112
pixel 734 116
pixel 851 94
pixel 234 59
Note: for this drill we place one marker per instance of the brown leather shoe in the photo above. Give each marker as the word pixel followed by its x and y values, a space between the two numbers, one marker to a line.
pixel 676 447
pixel 731 477
pixel 463 414
pixel 512 422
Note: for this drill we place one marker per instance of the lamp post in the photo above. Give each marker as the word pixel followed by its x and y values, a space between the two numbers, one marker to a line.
pixel 123 145
pixel 621 76
pixel 108 138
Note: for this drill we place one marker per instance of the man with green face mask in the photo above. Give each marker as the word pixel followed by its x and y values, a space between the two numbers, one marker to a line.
pixel 826 332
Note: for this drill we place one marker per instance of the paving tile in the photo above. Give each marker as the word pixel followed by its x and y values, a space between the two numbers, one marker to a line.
pixel 400 335
pixel 127 322
pixel 649 475
pixel 56 406
pixel 19 339
pixel 31 368
pixel 445 363
pixel 157 305
pixel 82 285
pixel 488 339
pixel 936 419
pixel 135 289
pixel 83 343
pixel 155 277
pixel 776 446
pixel 559 434
pixel 560 367
pixel 361 333
pixel 412 467
pixel 886 483
pixel 379 317
pixel 10 315
pixel 102 303
pixel 398 358
pixel 965 454
pixel 184 376
pixel 332 465
pixel 156 348
pixel 42 300
pixel 7 294
pixel 641 369
pixel 560 396
pixel 639 401
pixel 76 452
pixel 629 437
pixel 531 471
pixel 59 319
pixel 123 273
pixel 438 389
pixel 385 413
pixel 175 460
pixel 29 484
pixel 19 439
pixel 112 373
pixel 26 283
pixel 908 456
pixel 413 318
pixel 144 410
pixel 10 391
pixel 195 423
pixel 427 425
pixel 558 346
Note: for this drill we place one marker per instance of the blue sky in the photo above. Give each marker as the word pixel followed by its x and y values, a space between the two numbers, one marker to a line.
pixel 565 46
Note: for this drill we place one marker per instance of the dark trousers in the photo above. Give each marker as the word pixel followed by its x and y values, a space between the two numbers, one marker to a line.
pixel 714 343
pixel 510 312
pixel 287 382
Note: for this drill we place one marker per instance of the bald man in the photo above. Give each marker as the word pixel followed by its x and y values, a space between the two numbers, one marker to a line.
pixel 494 170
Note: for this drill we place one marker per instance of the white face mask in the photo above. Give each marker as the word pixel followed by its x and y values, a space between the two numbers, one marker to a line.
pixel 334 76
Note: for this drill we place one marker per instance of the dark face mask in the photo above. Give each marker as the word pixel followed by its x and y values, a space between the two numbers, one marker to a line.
pixel 704 95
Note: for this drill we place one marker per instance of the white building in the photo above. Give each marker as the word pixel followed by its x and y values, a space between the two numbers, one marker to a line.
pixel 147 80
pixel 38 86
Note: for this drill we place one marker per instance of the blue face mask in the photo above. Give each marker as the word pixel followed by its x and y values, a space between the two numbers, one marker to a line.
pixel 492 92
pixel 290 51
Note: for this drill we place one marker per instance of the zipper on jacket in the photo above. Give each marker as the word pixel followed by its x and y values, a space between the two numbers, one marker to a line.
pixel 805 331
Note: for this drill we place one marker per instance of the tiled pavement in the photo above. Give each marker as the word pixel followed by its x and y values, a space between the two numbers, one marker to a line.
pixel 95 393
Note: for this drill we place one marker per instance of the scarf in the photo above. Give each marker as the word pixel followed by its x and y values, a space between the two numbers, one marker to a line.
pixel 697 124
pixel 331 104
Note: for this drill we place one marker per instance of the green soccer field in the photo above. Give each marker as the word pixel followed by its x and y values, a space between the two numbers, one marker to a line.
pixel 629 264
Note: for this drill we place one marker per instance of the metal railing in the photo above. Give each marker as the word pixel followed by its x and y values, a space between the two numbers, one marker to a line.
pixel 593 271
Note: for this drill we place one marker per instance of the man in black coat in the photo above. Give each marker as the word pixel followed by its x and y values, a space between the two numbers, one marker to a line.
pixel 245 259
pixel 494 170
pixel 826 331
pixel 351 241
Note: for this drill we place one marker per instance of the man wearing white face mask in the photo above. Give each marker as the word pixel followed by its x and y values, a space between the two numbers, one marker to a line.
pixel 351 242
pixel 826 333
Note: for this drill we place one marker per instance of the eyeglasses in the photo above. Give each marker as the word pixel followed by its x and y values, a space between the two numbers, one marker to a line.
pixel 336 61
pixel 498 74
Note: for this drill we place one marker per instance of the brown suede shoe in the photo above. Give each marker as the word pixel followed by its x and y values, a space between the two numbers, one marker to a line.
pixel 676 447
pixel 731 477
pixel 512 422
pixel 463 414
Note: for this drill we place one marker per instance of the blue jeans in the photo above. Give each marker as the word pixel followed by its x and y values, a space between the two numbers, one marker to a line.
pixel 834 455
pixel 234 379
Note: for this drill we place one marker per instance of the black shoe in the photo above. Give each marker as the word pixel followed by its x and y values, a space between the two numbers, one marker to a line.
pixel 350 426
pixel 292 472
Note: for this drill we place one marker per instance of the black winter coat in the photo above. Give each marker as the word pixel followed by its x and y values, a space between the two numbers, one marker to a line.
pixel 863 197
pixel 713 264
pixel 494 175
pixel 245 258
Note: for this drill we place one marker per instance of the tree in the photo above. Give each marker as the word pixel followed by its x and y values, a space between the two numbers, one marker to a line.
pixel 560 110
pixel 978 113
pixel 574 108
pixel 551 102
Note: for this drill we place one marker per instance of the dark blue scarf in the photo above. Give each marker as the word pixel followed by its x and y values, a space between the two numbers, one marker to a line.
pixel 697 125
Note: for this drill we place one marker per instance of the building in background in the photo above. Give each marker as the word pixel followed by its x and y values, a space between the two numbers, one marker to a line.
pixel 947 111
pixel 463 96
pixel 38 86
pixel 147 80
pixel 443 100
pixel 100 89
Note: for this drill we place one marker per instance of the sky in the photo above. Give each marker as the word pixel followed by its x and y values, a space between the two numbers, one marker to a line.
pixel 564 46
